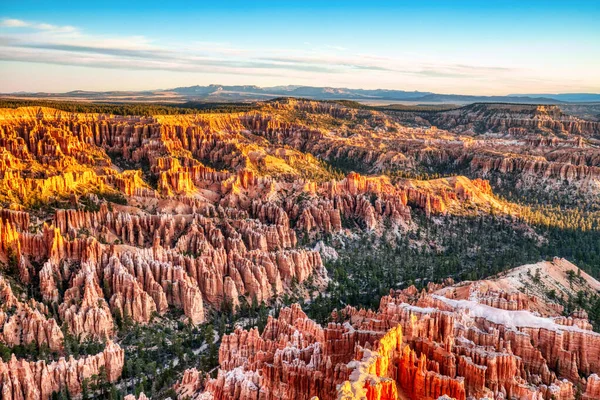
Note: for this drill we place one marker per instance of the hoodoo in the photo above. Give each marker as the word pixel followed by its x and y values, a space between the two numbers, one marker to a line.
pixel 299 249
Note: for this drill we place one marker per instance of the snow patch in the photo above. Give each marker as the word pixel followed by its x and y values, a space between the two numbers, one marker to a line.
pixel 327 252
pixel 511 319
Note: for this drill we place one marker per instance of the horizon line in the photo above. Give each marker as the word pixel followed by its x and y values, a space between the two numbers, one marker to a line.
pixel 530 95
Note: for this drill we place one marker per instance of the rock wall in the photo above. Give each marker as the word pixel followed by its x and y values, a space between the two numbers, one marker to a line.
pixel 514 119
pixel 461 341
pixel 20 379
pixel 25 323
pixel 124 217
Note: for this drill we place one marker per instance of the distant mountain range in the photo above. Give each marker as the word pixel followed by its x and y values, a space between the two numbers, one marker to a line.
pixel 254 93
pixel 328 93
pixel 319 93
pixel 567 97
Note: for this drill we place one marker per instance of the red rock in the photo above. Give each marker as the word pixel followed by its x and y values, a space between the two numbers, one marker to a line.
pixel 20 379
pixel 204 237
pixel 142 396
pixel 84 309
pixel 28 322
pixel 592 388
pixel 426 345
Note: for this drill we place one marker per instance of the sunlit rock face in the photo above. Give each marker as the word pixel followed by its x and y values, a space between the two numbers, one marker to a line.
pixel 26 323
pixel 20 379
pixel 483 339
pixel 197 237
pixel 514 119
pixel 108 218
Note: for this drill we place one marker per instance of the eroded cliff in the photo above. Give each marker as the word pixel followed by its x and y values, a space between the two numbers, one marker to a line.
pixel 476 340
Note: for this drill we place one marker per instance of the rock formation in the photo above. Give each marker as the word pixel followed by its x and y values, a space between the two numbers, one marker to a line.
pixel 108 217
pixel 20 379
pixel 451 341
pixel 25 323
pixel 514 119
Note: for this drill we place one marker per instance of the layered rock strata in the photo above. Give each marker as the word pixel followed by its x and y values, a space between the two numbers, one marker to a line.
pixel 20 379
pixel 418 345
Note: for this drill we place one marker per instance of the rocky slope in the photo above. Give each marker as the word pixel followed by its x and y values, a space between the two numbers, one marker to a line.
pixel 538 143
pixel 283 140
pixel 20 379
pixel 514 119
pixel 106 219
pixel 481 339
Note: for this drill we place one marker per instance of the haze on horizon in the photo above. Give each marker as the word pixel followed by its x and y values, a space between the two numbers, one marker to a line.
pixel 463 47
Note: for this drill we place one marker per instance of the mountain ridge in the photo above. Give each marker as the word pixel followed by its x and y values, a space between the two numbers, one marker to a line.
pixel 216 92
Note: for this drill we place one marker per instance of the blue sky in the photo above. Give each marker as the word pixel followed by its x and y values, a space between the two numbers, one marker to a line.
pixel 471 47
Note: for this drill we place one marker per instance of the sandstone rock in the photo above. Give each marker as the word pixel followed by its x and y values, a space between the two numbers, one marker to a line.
pixel 592 388
pixel 23 323
pixel 20 379
pixel 427 345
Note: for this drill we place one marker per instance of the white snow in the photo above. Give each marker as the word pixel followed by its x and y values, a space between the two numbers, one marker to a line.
pixel 422 310
pixel 349 328
pixel 327 252
pixel 513 319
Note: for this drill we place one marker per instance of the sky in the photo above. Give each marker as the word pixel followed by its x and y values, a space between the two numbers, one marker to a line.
pixel 465 47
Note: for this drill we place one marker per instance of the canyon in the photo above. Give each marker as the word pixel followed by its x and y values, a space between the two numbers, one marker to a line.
pixel 484 339
pixel 109 221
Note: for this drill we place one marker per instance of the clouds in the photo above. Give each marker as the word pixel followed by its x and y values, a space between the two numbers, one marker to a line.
pixel 17 23
pixel 35 42
pixel 13 23
pixel 325 63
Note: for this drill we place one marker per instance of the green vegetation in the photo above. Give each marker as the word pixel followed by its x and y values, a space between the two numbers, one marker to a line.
pixel 80 348
pixel 96 386
pixel 346 164
pixel 29 351
pixel 143 109
pixel 247 315
pixel 445 246
pixel 157 354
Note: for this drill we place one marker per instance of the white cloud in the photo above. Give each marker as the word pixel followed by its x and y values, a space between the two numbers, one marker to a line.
pixel 317 64
pixel 18 23
pixel 13 23
pixel 47 43
pixel 54 28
